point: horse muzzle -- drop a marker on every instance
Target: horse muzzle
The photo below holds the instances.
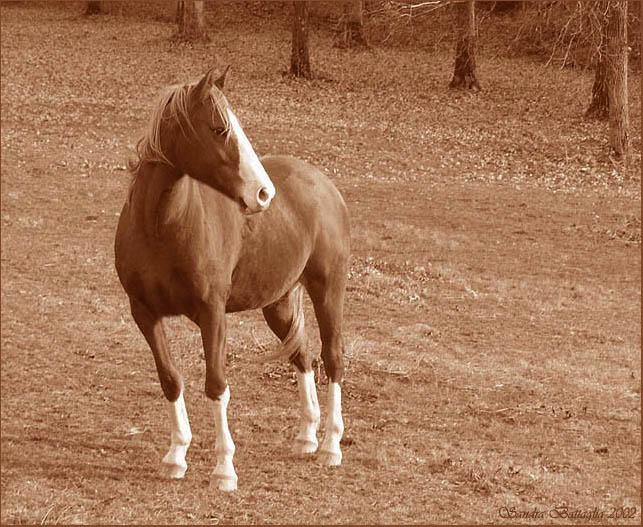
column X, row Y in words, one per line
column 260, row 201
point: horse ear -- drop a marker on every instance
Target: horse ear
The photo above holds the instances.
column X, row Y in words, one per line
column 221, row 80
column 205, row 85
column 202, row 89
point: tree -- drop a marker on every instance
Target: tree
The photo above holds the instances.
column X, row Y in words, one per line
column 597, row 15
column 300, row 59
column 464, row 75
column 93, row 8
column 190, row 18
column 609, row 91
column 351, row 25
column 599, row 107
column 180, row 14
column 616, row 73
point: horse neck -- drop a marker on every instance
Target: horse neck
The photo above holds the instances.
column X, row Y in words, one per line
column 150, row 181
column 159, row 193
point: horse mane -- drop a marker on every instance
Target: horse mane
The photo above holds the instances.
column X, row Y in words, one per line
column 172, row 109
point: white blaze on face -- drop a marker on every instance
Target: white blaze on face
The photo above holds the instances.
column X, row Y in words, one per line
column 250, row 167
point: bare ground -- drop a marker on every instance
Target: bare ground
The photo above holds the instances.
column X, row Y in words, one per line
column 493, row 312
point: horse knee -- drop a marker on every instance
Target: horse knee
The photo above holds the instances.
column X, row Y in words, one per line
column 214, row 387
column 302, row 361
column 334, row 370
column 333, row 361
column 172, row 385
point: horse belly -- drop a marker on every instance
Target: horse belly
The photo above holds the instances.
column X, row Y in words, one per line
column 263, row 281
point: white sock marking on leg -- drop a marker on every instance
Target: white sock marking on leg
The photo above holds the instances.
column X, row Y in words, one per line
column 224, row 446
column 180, row 437
column 334, row 425
column 306, row 441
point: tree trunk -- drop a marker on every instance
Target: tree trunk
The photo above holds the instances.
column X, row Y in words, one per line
column 351, row 27
column 616, row 58
column 599, row 107
column 300, row 59
column 190, row 17
column 93, row 8
column 180, row 14
column 464, row 75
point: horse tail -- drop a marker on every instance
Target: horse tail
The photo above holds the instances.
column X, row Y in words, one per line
column 295, row 340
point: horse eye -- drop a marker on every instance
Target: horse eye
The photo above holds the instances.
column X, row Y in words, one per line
column 219, row 130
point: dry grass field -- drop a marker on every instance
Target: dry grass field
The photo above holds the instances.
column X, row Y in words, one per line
column 493, row 310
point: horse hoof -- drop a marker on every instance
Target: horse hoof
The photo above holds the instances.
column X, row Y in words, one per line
column 303, row 447
column 331, row 459
column 173, row 471
column 227, row 484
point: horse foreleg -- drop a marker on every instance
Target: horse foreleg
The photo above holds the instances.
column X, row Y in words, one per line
column 174, row 464
column 224, row 446
column 216, row 389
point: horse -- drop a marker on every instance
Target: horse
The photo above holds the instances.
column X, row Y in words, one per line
column 209, row 228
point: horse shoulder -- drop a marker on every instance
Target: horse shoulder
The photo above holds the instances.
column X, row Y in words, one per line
column 308, row 188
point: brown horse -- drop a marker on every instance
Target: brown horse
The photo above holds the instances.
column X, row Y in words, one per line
column 210, row 229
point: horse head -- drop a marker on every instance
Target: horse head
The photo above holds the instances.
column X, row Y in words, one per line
column 210, row 145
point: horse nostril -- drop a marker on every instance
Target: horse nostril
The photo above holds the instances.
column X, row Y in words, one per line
column 263, row 196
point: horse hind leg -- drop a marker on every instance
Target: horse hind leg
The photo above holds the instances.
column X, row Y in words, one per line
column 326, row 291
column 286, row 319
column 173, row 464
